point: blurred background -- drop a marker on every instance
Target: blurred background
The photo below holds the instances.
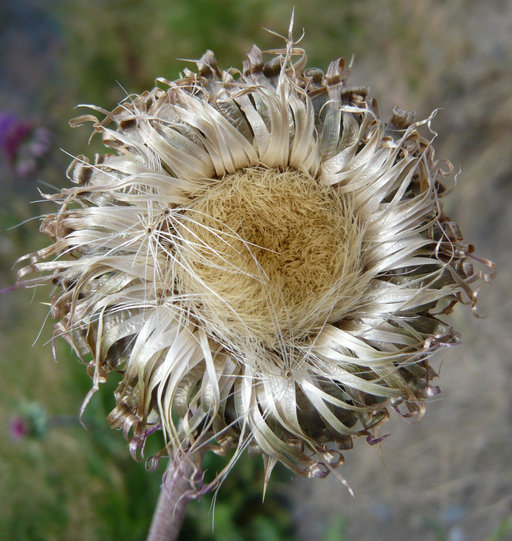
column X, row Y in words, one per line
column 448, row 477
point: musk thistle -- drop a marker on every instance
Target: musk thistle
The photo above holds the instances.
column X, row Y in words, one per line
column 262, row 258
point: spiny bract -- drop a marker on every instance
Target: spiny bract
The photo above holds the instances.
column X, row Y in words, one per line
column 262, row 258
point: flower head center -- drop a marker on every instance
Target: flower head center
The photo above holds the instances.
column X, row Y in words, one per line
column 267, row 255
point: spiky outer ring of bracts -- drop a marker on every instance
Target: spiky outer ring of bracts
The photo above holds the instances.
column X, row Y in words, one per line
column 114, row 244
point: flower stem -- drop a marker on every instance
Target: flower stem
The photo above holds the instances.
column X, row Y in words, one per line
column 170, row 511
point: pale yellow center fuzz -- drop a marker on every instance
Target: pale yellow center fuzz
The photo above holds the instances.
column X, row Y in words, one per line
column 269, row 256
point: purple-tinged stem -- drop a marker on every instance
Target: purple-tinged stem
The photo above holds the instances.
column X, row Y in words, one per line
column 172, row 502
column 169, row 513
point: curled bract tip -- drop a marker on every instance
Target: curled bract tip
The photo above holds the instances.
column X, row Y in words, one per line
column 265, row 261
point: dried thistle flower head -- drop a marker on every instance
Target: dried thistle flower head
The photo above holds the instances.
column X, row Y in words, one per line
column 262, row 258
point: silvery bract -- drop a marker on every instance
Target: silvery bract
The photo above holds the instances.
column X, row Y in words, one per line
column 263, row 260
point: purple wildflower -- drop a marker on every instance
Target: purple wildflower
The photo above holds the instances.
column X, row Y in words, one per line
column 23, row 143
column 18, row 428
